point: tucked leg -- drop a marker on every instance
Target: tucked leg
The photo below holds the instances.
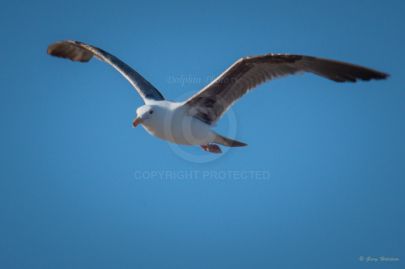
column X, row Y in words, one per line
column 211, row 148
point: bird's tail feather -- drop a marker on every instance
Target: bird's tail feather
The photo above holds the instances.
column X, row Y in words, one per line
column 219, row 139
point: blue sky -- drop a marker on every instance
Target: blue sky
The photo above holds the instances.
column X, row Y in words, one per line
column 80, row 188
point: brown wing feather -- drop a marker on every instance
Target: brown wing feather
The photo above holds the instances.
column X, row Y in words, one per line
column 212, row 101
column 81, row 52
column 69, row 50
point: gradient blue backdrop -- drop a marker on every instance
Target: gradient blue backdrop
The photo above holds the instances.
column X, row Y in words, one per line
column 69, row 194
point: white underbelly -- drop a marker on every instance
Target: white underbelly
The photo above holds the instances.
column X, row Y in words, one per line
column 181, row 129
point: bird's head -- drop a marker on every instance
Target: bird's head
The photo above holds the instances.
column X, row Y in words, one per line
column 143, row 113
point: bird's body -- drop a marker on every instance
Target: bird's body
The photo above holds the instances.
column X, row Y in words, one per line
column 191, row 122
column 167, row 116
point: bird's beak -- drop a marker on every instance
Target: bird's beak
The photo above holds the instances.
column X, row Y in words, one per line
column 137, row 121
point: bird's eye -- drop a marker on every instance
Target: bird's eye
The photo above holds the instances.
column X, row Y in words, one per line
column 151, row 112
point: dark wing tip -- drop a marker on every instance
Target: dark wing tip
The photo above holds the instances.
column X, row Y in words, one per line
column 369, row 74
column 381, row 75
column 71, row 50
column 359, row 76
column 341, row 71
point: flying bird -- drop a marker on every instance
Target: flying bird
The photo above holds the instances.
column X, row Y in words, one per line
column 190, row 122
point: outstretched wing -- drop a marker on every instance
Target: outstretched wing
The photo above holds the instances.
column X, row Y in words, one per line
column 81, row 52
column 212, row 101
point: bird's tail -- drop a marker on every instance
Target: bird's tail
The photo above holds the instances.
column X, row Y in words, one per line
column 219, row 139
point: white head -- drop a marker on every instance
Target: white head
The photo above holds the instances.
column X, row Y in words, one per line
column 143, row 114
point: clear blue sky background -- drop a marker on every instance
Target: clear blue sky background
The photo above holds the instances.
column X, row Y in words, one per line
column 70, row 196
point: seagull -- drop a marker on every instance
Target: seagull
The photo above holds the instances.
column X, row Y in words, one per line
column 191, row 122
